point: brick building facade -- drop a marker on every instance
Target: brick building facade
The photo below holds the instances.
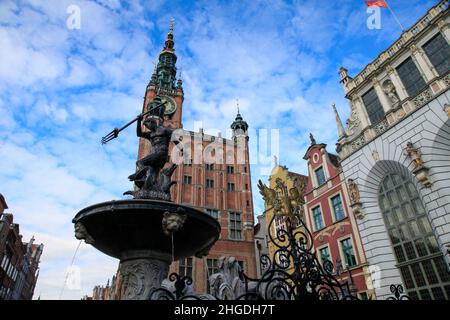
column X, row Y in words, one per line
column 19, row 261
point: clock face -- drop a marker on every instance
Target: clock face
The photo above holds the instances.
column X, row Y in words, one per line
column 170, row 105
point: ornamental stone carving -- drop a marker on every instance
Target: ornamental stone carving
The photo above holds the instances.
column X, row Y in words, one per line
column 353, row 123
column 355, row 199
column 414, row 155
column 172, row 222
column 227, row 284
column 381, row 127
column 358, row 142
column 375, row 155
column 81, row 233
column 447, row 109
column 420, row 171
column 422, row 98
column 353, row 191
column 447, row 80
column 391, row 92
column 141, row 276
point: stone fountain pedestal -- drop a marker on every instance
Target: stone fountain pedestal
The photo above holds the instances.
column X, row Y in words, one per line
column 133, row 231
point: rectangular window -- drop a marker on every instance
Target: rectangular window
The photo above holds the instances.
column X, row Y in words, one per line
column 235, row 226
column 209, row 183
column 317, row 217
column 320, row 175
column 187, row 180
column 349, row 254
column 230, row 186
column 213, row 213
column 338, row 208
column 373, row 106
column 324, row 255
column 438, row 51
column 185, row 267
column 411, row 78
column 230, row 169
column 188, row 162
column 209, row 166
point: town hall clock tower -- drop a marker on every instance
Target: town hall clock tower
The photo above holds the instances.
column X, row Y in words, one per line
column 221, row 189
column 164, row 87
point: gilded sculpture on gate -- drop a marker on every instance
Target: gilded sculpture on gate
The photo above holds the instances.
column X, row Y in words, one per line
column 284, row 202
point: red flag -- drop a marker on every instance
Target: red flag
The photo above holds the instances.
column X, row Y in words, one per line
column 376, row 3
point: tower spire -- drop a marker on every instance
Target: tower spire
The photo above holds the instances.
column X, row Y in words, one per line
column 313, row 140
column 340, row 127
column 166, row 70
column 239, row 125
column 169, row 44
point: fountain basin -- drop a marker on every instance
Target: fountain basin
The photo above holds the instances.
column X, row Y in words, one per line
column 118, row 228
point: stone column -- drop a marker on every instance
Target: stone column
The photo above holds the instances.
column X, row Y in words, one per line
column 383, row 99
column 426, row 69
column 361, row 112
column 444, row 28
column 142, row 271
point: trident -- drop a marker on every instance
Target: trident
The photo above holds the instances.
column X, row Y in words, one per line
column 115, row 132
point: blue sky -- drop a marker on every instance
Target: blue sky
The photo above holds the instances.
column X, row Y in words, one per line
column 62, row 89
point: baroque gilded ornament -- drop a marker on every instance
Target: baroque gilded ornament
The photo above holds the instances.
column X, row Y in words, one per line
column 420, row 170
column 284, row 202
column 375, row 155
column 355, row 199
column 447, row 109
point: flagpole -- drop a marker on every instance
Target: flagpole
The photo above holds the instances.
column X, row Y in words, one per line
column 395, row 17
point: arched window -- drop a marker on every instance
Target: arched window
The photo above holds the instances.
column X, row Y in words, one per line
column 419, row 259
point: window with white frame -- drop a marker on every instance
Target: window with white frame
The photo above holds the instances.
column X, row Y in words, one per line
column 324, row 254
column 349, row 253
column 320, row 176
column 317, row 218
column 338, row 208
